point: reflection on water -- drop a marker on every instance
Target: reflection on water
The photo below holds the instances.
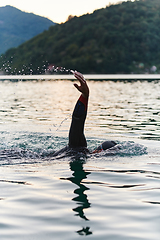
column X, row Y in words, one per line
column 115, row 108
column 81, row 200
column 85, row 231
column 78, row 175
column 116, row 196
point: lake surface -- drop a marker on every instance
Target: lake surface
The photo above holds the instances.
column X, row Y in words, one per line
column 110, row 195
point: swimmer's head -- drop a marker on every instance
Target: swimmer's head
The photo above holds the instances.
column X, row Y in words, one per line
column 105, row 145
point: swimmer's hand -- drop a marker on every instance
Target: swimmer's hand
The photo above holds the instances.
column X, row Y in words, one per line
column 83, row 88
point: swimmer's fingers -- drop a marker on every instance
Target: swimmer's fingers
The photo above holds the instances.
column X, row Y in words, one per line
column 83, row 88
column 80, row 77
column 76, row 86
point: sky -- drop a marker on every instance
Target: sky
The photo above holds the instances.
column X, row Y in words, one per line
column 58, row 10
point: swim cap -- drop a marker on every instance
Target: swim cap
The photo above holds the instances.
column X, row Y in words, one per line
column 106, row 145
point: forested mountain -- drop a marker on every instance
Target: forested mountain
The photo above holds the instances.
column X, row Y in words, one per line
column 121, row 38
column 17, row 27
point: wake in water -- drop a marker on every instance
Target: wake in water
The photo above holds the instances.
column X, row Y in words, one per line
column 126, row 148
column 24, row 147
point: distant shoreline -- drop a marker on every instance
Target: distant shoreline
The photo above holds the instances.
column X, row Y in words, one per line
column 87, row 76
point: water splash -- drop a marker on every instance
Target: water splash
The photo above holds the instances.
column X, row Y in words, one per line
column 65, row 119
column 57, row 70
column 127, row 148
column 32, row 147
column 26, row 69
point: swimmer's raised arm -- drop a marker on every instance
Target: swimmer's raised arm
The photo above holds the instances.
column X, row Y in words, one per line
column 83, row 88
column 76, row 133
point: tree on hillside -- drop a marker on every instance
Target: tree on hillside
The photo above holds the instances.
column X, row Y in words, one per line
column 121, row 38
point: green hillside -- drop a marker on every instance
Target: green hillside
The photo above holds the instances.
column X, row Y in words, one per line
column 17, row 27
column 121, row 38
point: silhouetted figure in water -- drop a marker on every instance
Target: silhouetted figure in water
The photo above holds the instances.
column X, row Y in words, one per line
column 81, row 199
column 77, row 140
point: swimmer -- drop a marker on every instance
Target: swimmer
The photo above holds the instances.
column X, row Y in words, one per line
column 77, row 140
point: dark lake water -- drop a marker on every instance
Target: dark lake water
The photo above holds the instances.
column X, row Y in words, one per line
column 111, row 195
